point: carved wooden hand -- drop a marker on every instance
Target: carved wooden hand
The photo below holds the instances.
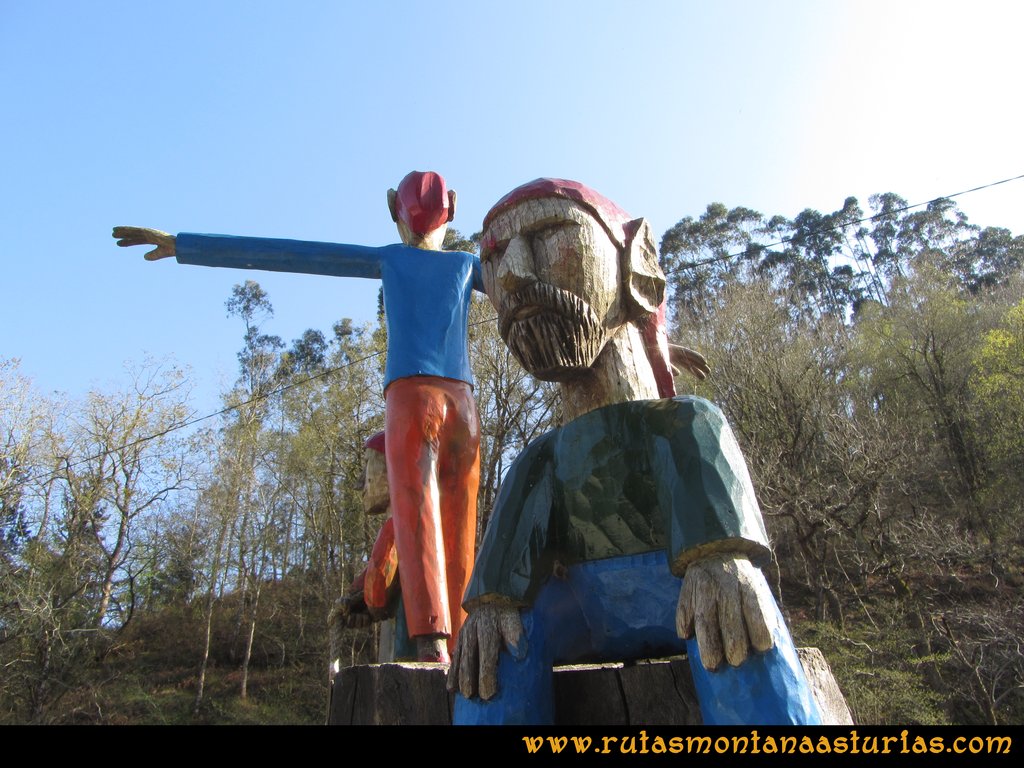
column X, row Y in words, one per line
column 686, row 359
column 726, row 601
column 474, row 668
column 351, row 611
column 163, row 241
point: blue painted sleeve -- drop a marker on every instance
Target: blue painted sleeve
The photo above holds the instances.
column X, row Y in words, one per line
column 278, row 255
column 478, row 280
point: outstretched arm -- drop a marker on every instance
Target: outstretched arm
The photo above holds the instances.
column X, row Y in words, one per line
column 164, row 242
column 278, row 255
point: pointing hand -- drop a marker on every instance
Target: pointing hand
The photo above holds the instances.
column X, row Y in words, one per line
column 163, row 241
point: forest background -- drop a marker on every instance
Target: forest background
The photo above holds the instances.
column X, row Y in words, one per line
column 871, row 368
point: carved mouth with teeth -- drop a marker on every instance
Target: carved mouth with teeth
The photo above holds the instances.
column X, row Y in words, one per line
column 534, row 300
column 553, row 333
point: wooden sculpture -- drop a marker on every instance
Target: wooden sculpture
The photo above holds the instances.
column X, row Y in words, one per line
column 431, row 417
column 599, row 519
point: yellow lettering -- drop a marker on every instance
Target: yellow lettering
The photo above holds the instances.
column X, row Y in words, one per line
column 703, row 745
column 582, row 743
column 533, row 743
column 1000, row 741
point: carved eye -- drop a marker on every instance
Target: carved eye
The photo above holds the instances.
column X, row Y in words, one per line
column 547, row 238
column 492, row 250
column 551, row 229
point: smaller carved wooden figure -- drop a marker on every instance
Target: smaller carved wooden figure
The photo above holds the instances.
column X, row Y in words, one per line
column 431, row 417
column 375, row 594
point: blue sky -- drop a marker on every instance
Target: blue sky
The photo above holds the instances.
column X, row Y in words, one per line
column 292, row 119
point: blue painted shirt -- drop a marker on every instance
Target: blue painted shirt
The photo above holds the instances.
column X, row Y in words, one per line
column 426, row 293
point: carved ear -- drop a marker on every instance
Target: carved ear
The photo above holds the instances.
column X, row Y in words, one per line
column 644, row 280
column 451, row 204
column 393, row 204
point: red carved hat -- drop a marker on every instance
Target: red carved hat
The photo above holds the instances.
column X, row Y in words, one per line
column 375, row 442
column 423, row 201
column 613, row 218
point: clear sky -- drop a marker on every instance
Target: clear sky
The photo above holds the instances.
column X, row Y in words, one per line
column 292, row 119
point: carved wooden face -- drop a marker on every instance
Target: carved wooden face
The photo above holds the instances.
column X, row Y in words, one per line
column 552, row 272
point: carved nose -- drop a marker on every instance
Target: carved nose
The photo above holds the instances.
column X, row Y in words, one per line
column 516, row 269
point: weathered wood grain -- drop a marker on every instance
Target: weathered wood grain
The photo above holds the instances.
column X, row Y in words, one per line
column 657, row 692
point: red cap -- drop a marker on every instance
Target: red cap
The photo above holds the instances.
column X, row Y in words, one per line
column 375, row 442
column 613, row 218
column 423, row 201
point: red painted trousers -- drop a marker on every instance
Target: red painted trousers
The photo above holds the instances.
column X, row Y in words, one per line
column 432, row 445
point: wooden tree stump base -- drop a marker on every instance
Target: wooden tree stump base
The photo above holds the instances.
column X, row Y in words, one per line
column 656, row 692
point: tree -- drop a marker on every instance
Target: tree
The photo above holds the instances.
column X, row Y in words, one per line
column 20, row 417
column 702, row 255
column 998, row 414
column 919, row 350
column 869, row 370
column 97, row 473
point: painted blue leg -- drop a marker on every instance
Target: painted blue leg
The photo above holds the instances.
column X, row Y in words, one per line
column 767, row 689
column 630, row 608
column 526, row 686
column 624, row 608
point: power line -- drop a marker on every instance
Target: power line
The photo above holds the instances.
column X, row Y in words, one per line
column 784, row 241
column 228, row 408
column 335, row 369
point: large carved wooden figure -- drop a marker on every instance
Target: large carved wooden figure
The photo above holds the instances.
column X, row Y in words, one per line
column 597, row 520
column 431, row 420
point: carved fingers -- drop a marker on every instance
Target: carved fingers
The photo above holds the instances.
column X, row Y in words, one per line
column 351, row 611
column 462, row 671
column 686, row 359
column 697, row 613
column 164, row 242
column 725, row 601
column 474, row 668
column 759, row 611
column 379, row 614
